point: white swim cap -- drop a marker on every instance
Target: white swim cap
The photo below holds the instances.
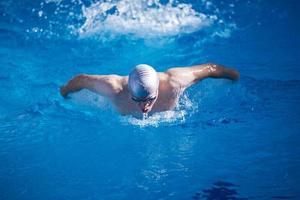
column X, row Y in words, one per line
column 143, row 81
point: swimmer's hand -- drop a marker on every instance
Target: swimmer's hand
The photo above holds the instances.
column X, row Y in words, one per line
column 75, row 84
column 230, row 73
column 63, row 92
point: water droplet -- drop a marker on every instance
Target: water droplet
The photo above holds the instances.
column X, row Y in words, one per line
column 145, row 116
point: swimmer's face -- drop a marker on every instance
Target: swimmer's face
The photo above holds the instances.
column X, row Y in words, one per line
column 145, row 104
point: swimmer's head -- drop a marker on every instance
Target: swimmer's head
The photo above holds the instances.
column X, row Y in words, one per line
column 143, row 85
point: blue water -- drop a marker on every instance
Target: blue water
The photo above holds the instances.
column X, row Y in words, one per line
column 224, row 141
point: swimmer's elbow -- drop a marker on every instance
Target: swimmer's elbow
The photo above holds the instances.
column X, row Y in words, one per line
column 219, row 71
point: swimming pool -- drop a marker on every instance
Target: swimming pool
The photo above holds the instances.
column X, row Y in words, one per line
column 224, row 140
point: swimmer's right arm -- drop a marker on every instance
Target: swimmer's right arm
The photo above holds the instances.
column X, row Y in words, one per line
column 102, row 84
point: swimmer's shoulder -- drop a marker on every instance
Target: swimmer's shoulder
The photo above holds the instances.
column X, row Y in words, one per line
column 116, row 82
column 168, row 79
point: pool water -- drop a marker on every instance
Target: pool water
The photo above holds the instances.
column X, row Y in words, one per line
column 224, row 140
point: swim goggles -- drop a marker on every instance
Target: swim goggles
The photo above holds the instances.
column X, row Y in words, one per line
column 146, row 100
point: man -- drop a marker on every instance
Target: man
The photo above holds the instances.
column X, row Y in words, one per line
column 146, row 90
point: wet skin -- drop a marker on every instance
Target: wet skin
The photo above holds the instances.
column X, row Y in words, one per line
column 171, row 85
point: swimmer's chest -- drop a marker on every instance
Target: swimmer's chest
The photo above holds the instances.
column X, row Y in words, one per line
column 167, row 100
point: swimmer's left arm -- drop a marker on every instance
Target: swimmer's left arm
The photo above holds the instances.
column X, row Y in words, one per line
column 186, row 76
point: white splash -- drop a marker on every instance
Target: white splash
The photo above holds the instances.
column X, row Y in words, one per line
column 156, row 119
column 184, row 108
column 142, row 18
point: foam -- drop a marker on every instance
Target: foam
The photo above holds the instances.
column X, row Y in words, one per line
column 147, row 18
column 156, row 119
column 184, row 108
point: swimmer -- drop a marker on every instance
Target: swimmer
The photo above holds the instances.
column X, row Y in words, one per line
column 145, row 90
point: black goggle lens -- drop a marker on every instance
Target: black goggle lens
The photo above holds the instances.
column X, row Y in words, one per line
column 150, row 99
